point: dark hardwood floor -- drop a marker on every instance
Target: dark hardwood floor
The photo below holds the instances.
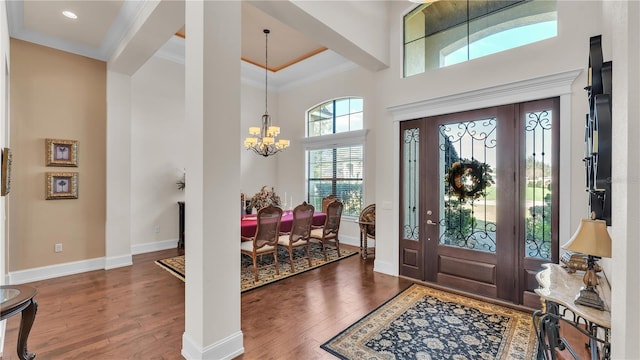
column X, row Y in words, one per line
column 137, row 312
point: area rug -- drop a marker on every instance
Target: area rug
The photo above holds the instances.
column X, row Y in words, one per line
column 425, row 323
column 267, row 275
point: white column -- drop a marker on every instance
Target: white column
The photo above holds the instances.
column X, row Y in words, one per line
column 212, row 243
column 622, row 19
column 118, row 222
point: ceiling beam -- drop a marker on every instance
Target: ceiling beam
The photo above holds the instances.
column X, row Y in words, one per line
column 157, row 22
column 356, row 30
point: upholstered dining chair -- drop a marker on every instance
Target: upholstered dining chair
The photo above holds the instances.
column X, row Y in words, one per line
column 300, row 232
column 367, row 222
column 328, row 232
column 265, row 241
column 326, row 201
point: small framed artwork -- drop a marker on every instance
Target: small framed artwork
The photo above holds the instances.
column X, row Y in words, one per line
column 62, row 152
column 6, row 172
column 62, row 185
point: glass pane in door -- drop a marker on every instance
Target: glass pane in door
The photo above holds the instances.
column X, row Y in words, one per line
column 467, row 159
column 411, row 184
column 538, row 165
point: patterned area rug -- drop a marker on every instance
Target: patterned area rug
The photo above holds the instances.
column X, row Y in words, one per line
column 267, row 275
column 425, row 323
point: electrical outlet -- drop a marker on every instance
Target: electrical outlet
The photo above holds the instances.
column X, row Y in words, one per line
column 157, row 229
column 58, row 248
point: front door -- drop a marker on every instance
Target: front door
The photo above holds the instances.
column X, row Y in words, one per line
column 464, row 205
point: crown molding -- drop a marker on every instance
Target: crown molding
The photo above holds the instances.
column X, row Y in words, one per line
column 308, row 70
column 126, row 17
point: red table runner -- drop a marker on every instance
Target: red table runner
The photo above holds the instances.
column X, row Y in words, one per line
column 249, row 223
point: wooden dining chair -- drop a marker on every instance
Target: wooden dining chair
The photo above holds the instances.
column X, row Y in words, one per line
column 328, row 232
column 367, row 222
column 300, row 232
column 265, row 241
column 326, row 201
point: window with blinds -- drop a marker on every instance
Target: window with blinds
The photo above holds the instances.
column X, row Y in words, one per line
column 336, row 168
column 337, row 171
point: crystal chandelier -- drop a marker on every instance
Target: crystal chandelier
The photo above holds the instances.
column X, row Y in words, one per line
column 262, row 140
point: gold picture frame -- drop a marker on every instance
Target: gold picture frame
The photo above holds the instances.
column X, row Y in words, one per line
column 6, row 172
column 62, row 152
column 62, row 185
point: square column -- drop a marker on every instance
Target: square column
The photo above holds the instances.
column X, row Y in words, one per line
column 212, row 143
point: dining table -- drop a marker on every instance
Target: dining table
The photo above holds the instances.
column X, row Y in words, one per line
column 249, row 222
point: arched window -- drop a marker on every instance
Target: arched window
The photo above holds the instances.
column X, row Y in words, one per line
column 447, row 32
column 335, row 153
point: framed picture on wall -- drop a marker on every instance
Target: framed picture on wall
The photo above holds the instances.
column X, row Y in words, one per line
column 6, row 172
column 62, row 185
column 62, row 152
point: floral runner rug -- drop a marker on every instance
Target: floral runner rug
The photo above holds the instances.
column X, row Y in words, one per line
column 425, row 323
column 267, row 275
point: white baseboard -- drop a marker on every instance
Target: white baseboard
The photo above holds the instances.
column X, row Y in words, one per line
column 118, row 261
column 76, row 267
column 349, row 240
column 385, row 267
column 153, row 246
column 225, row 349
column 54, row 271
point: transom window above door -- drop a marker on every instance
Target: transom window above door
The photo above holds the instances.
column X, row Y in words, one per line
column 447, row 32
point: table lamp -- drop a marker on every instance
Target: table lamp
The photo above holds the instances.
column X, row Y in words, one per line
column 591, row 239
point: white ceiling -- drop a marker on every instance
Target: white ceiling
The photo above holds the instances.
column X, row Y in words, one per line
column 102, row 24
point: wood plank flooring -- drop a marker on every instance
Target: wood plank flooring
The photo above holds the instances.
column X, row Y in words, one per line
column 137, row 312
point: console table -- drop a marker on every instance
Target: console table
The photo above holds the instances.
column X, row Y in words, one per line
column 180, row 224
column 558, row 289
column 18, row 299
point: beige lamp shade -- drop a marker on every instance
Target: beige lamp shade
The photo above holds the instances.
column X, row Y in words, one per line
column 282, row 144
column 250, row 141
column 591, row 238
column 273, row 131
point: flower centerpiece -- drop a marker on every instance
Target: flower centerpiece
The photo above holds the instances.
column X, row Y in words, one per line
column 264, row 198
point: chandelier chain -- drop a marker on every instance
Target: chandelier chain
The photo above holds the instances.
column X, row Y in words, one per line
column 266, row 69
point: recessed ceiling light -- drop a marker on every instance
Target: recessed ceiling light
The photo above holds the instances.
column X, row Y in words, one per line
column 70, row 14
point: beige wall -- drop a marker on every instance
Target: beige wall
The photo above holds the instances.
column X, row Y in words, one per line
column 58, row 95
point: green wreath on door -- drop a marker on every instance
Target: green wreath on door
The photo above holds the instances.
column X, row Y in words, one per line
column 468, row 179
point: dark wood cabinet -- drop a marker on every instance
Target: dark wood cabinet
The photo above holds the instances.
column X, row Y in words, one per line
column 181, row 225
